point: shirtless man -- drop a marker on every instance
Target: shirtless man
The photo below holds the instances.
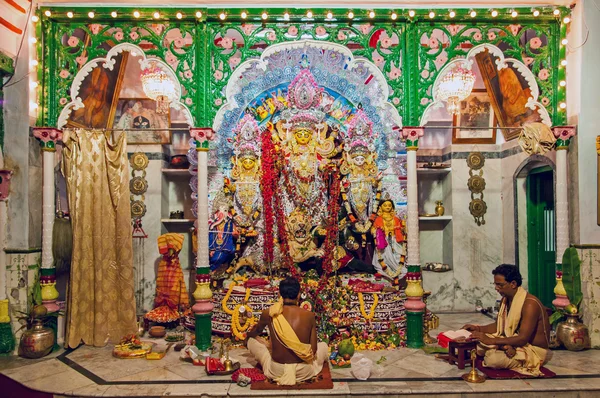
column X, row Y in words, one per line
column 519, row 339
column 296, row 356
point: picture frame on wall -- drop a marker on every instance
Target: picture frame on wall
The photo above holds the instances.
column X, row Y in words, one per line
column 509, row 93
column 476, row 121
column 99, row 92
column 138, row 114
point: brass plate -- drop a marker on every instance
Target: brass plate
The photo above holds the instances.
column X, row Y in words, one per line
column 475, row 160
column 138, row 185
column 139, row 161
column 476, row 184
column 138, row 209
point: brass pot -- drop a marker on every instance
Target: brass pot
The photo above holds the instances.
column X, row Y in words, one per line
column 439, row 209
column 573, row 334
column 36, row 342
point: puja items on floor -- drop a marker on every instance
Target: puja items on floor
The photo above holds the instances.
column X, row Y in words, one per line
column 132, row 347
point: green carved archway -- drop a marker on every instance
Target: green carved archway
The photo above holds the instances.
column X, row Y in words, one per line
column 205, row 46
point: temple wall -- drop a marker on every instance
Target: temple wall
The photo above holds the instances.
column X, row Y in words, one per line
column 22, row 155
column 590, row 286
column 474, row 251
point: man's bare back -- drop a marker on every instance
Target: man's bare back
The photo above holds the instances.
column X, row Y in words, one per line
column 304, row 324
column 533, row 312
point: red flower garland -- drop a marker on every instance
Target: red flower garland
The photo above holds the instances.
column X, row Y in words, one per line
column 268, row 183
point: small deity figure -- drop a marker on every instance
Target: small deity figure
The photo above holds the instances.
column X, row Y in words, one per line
column 361, row 184
column 171, row 293
column 389, row 238
column 221, row 231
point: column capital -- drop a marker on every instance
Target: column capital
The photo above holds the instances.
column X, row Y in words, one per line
column 5, row 176
column 412, row 134
column 563, row 136
column 203, row 136
column 48, row 137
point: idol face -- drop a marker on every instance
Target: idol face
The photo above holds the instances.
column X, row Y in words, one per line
column 248, row 163
column 387, row 206
column 303, row 137
column 359, row 160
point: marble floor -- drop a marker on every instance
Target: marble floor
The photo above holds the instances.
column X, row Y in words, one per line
column 88, row 371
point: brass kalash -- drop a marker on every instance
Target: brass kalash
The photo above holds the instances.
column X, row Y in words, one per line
column 473, row 376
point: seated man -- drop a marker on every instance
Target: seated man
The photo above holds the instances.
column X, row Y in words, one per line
column 295, row 355
column 519, row 339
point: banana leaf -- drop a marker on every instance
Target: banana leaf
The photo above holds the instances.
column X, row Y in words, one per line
column 571, row 268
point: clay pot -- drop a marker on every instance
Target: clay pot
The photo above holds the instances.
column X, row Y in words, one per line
column 157, row 331
column 573, row 334
column 36, row 342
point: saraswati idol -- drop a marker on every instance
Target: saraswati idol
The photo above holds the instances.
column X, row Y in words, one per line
column 361, row 184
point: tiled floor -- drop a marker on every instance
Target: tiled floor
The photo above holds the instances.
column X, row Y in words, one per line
column 90, row 371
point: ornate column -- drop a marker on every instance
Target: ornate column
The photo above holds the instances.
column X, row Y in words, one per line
column 48, row 137
column 203, row 295
column 414, row 305
column 563, row 136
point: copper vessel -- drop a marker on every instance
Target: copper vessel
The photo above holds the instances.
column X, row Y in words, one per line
column 36, row 342
column 573, row 334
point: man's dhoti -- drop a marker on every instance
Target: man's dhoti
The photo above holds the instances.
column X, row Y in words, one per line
column 289, row 373
column 527, row 360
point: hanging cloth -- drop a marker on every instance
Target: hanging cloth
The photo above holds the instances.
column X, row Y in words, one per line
column 101, row 302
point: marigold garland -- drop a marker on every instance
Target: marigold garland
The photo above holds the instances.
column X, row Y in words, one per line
column 226, row 309
column 237, row 329
column 368, row 317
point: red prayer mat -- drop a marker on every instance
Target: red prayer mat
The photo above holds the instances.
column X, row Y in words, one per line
column 510, row 374
column 320, row 382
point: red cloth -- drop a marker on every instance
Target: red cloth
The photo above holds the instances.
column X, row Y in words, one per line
column 365, row 286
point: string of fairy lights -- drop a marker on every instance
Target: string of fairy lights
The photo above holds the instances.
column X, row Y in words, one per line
column 372, row 14
column 410, row 15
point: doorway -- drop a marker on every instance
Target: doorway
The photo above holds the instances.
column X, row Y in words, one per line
column 541, row 238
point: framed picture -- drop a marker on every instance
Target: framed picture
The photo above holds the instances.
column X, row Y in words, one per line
column 99, row 92
column 509, row 93
column 475, row 123
column 139, row 114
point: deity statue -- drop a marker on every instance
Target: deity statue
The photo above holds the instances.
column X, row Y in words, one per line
column 361, row 184
column 389, row 242
column 247, row 196
column 301, row 135
column 221, row 233
column 305, row 145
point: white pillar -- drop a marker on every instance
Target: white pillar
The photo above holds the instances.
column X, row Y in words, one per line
column 202, row 209
column 562, row 204
column 563, row 136
column 48, row 209
column 48, row 137
column 412, row 222
column 203, row 295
